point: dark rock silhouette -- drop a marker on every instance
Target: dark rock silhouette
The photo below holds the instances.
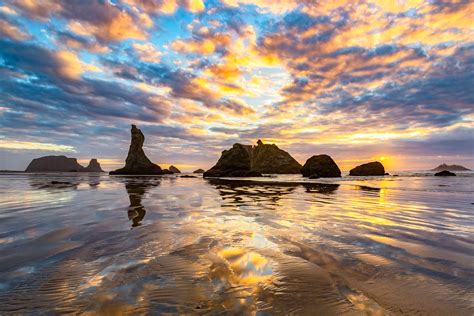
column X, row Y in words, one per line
column 445, row 173
column 321, row 166
column 173, row 169
column 252, row 161
column 94, row 166
column 268, row 158
column 167, row 171
column 54, row 164
column 199, row 171
column 137, row 162
column 450, row 168
column 233, row 162
column 368, row 169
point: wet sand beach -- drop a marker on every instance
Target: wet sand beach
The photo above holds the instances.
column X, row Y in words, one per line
column 90, row 244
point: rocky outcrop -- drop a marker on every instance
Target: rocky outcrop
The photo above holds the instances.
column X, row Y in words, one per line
column 321, row 166
column 137, row 162
column 173, row 169
column 252, row 161
column 199, row 171
column 268, row 158
column 94, row 166
column 167, row 171
column 445, row 173
column 450, row 168
column 233, row 162
column 54, row 164
column 368, row 169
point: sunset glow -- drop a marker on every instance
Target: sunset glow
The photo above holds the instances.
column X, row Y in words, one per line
column 358, row 80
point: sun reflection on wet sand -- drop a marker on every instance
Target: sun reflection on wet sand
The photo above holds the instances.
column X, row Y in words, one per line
column 214, row 246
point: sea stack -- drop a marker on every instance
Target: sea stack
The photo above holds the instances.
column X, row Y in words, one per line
column 94, row 166
column 173, row 169
column 137, row 162
column 445, row 173
column 234, row 162
column 54, row 164
column 253, row 161
column 198, row 171
column 268, row 158
column 368, row 169
column 320, row 166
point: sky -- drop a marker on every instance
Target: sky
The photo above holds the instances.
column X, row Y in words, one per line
column 358, row 80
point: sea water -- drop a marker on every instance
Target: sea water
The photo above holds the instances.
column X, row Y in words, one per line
column 93, row 243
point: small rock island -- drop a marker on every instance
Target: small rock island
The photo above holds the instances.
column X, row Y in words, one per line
column 320, row 166
column 173, row 169
column 368, row 169
column 445, row 173
column 137, row 163
column 94, row 166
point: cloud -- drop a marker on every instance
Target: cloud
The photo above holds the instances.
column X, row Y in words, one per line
column 53, row 92
column 19, row 145
column 120, row 27
column 147, row 52
column 12, row 31
column 68, row 40
column 167, row 6
column 182, row 85
column 32, row 59
column 273, row 6
column 204, row 47
column 101, row 19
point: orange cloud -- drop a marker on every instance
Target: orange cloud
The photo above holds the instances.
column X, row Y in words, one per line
column 70, row 66
column 38, row 9
column 194, row 5
column 167, row 6
column 9, row 30
column 147, row 52
column 273, row 6
column 121, row 27
column 8, row 10
column 204, row 47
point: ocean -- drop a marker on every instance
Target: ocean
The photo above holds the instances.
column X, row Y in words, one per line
column 94, row 243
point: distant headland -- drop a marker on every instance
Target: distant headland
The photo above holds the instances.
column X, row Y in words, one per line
column 450, row 168
column 61, row 164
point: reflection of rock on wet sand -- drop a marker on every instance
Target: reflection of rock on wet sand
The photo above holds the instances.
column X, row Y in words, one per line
column 325, row 188
column 243, row 192
column 54, row 183
column 136, row 188
column 248, row 192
